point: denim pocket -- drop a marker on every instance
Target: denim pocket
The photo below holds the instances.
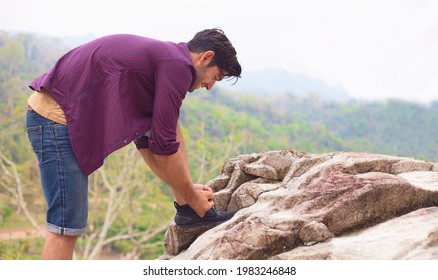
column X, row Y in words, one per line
column 35, row 134
column 62, row 140
column 60, row 131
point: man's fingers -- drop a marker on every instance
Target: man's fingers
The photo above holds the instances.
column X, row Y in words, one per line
column 210, row 195
column 202, row 187
column 205, row 202
column 211, row 201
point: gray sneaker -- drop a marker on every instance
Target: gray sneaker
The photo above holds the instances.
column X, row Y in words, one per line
column 186, row 217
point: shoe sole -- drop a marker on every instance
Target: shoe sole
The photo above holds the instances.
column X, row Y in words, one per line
column 201, row 224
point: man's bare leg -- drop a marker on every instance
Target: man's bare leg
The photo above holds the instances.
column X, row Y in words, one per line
column 59, row 247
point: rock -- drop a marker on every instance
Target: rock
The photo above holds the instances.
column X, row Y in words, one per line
column 328, row 206
column 432, row 239
column 237, row 178
column 422, row 179
column 248, row 193
column 271, row 165
column 177, row 239
column 410, row 165
column 219, row 183
column 314, row 232
column 411, row 236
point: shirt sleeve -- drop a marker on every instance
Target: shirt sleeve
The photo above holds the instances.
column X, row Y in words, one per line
column 172, row 81
column 142, row 142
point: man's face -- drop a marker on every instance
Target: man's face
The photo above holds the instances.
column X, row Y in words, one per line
column 207, row 77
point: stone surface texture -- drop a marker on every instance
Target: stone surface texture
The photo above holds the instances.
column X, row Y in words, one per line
column 295, row 205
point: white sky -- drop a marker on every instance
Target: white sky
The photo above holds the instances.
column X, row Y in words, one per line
column 373, row 49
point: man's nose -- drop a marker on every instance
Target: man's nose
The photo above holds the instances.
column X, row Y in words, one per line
column 210, row 85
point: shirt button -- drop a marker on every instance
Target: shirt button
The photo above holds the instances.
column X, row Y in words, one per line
column 124, row 141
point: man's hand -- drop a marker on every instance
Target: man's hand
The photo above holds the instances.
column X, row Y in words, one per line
column 202, row 187
column 202, row 200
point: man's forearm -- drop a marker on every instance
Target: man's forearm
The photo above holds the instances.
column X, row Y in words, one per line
column 182, row 149
column 180, row 156
column 172, row 170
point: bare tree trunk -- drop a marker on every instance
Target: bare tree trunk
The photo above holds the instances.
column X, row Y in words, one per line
column 11, row 182
column 119, row 197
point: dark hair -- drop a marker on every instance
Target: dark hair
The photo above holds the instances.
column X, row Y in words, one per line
column 224, row 52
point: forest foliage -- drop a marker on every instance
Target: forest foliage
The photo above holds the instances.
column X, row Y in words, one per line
column 129, row 207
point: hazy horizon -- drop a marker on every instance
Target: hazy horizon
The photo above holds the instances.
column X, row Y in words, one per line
column 372, row 49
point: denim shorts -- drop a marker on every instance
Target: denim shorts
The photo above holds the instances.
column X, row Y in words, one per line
column 64, row 184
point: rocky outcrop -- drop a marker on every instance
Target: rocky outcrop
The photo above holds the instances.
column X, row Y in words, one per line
column 294, row 205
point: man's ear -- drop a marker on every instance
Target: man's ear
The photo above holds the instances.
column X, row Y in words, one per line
column 207, row 56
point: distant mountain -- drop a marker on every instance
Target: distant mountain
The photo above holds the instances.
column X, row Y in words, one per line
column 270, row 81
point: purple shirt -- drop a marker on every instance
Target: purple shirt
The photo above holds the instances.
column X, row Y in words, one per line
column 115, row 89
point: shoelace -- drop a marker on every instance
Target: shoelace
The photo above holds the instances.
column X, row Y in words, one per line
column 215, row 212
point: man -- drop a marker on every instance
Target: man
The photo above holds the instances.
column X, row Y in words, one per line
column 107, row 93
